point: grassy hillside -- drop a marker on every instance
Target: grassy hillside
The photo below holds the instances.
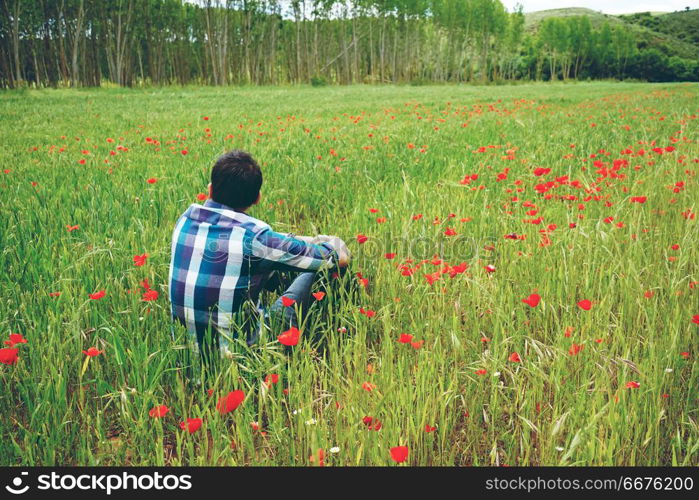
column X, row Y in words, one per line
column 532, row 20
column 683, row 25
column 675, row 33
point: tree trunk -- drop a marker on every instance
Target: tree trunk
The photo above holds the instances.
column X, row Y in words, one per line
column 75, row 73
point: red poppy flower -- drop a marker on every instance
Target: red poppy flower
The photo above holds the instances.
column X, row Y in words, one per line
column 429, row 428
column 15, row 338
column 92, row 352
column 152, row 180
column 287, row 302
column 633, row 385
column 319, row 295
column 320, row 458
column 585, row 305
column 362, row 280
column 202, row 196
column 361, row 238
column 489, row 268
column 390, row 256
column 72, row 228
column 8, row 355
column 192, row 425
column 139, row 260
column 158, row 411
column 230, row 402
column 399, row 454
column 695, row 319
column 431, row 278
column 150, row 295
column 575, row 349
column 98, row 295
column 367, row 312
column 418, row 344
column 514, row 357
column 481, row 372
column 272, row 378
column 373, row 424
column 685, row 354
column 532, row 300
column 368, row 386
column 449, row 232
column 405, row 338
column 290, row 337
column 406, row 271
column 54, row 294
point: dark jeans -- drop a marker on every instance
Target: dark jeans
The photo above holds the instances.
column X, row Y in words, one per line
column 300, row 292
column 278, row 317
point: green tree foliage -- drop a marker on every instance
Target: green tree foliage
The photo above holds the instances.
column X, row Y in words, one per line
column 222, row 42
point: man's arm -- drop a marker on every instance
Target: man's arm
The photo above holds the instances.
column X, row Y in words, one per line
column 343, row 253
column 306, row 239
column 284, row 252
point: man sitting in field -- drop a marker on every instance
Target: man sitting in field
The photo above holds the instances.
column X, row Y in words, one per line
column 222, row 258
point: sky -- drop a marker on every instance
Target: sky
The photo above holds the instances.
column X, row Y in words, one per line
column 606, row 6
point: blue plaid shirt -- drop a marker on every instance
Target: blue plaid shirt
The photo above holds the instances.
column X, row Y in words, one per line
column 221, row 259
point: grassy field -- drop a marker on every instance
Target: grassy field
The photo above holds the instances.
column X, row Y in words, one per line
column 455, row 182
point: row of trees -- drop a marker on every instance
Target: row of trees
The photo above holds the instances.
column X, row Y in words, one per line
column 219, row 42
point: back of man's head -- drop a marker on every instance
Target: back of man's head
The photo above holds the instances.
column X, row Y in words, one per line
column 236, row 180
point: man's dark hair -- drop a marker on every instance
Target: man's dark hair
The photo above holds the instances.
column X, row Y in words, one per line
column 236, row 179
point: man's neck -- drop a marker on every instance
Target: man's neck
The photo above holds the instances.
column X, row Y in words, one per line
column 239, row 210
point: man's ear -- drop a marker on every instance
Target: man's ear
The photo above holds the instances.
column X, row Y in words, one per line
column 259, row 197
column 211, row 190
